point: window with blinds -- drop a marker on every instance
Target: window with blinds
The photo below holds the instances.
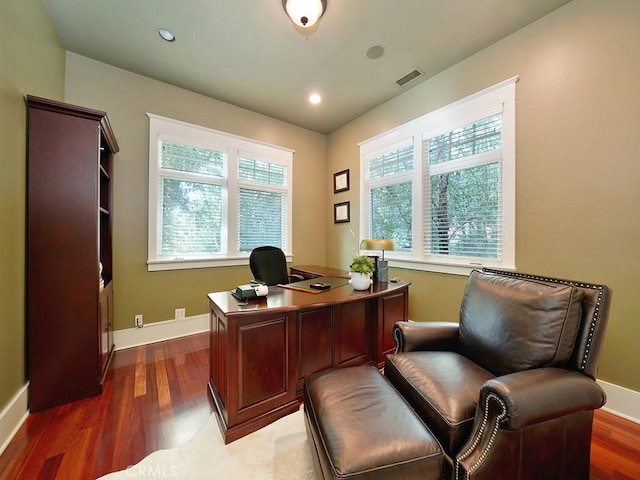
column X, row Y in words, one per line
column 443, row 186
column 214, row 197
column 463, row 207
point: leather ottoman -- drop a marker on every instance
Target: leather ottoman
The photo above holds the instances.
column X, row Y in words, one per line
column 359, row 427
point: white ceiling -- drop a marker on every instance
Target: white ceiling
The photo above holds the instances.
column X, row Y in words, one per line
column 248, row 53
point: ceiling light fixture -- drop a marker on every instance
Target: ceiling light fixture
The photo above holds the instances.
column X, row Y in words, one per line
column 166, row 34
column 304, row 13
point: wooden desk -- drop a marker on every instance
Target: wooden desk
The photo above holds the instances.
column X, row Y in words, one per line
column 261, row 352
column 315, row 271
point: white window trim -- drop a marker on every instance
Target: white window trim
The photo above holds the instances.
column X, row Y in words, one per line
column 163, row 128
column 497, row 98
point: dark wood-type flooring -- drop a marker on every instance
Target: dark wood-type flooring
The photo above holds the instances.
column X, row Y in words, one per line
column 156, row 396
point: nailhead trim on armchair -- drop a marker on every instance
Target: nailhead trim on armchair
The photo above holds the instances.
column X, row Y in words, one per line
column 480, row 434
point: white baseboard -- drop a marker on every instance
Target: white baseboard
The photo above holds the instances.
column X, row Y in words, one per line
column 13, row 416
column 159, row 331
column 621, row 401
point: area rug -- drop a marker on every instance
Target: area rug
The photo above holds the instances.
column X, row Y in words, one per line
column 279, row 451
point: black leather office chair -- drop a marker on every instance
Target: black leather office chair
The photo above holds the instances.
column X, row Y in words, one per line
column 269, row 265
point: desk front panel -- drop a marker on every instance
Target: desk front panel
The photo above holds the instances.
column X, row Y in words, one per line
column 252, row 369
column 352, row 335
column 315, row 342
column 262, row 364
column 335, row 336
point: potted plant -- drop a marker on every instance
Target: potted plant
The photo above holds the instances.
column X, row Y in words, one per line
column 360, row 272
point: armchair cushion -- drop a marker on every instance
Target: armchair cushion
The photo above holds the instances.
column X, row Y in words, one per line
column 548, row 316
column 442, row 387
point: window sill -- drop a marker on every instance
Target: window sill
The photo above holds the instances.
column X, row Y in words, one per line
column 190, row 263
column 448, row 268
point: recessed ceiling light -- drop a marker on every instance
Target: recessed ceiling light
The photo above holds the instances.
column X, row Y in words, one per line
column 166, row 34
column 315, row 98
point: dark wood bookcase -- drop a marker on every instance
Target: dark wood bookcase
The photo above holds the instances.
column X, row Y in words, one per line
column 69, row 251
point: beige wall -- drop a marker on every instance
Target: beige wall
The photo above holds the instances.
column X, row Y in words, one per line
column 578, row 168
column 126, row 97
column 31, row 61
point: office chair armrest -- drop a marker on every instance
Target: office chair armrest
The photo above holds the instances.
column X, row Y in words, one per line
column 294, row 277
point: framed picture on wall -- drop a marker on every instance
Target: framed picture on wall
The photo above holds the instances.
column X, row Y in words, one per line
column 341, row 181
column 341, row 212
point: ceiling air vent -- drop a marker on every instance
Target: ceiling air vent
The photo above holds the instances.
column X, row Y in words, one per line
column 409, row 77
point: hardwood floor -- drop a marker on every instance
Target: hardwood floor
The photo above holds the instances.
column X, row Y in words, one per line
column 615, row 448
column 155, row 396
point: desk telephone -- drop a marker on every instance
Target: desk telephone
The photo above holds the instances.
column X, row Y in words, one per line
column 250, row 290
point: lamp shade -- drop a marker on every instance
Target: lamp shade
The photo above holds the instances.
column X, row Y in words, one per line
column 304, row 13
column 377, row 244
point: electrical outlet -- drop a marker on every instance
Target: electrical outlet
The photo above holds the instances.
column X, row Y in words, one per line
column 180, row 312
column 138, row 322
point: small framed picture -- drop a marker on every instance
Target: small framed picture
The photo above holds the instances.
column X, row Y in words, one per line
column 341, row 181
column 341, row 212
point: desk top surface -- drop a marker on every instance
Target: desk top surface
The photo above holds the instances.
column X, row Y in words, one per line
column 320, row 270
column 287, row 299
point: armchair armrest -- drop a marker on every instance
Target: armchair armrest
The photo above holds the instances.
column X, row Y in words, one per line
column 415, row 336
column 534, row 396
column 511, row 403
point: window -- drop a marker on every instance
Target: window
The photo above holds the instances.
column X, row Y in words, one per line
column 214, row 197
column 443, row 186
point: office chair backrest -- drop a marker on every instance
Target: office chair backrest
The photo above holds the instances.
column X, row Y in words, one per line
column 269, row 265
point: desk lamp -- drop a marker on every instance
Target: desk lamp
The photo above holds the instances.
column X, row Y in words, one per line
column 382, row 266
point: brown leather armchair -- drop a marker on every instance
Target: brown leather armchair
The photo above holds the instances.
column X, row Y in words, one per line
column 509, row 391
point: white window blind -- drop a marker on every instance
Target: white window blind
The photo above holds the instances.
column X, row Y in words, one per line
column 262, row 215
